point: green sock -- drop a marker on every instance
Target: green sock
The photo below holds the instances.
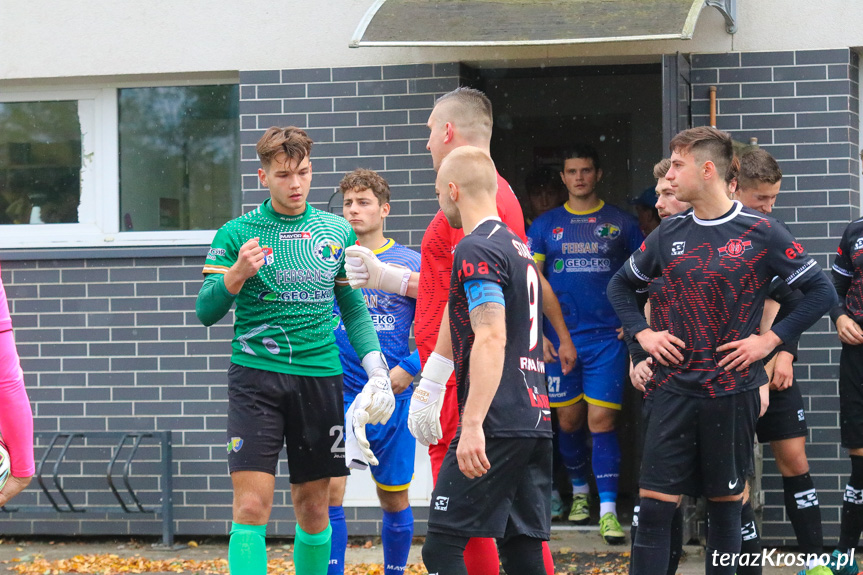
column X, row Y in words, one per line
column 247, row 550
column 312, row 552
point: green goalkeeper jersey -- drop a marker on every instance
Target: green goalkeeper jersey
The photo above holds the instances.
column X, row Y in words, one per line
column 284, row 314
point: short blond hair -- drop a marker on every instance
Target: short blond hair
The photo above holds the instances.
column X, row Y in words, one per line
column 471, row 170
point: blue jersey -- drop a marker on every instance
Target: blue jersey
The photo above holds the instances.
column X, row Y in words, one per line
column 392, row 316
column 580, row 251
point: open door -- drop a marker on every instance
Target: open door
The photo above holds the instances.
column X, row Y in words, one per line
column 676, row 98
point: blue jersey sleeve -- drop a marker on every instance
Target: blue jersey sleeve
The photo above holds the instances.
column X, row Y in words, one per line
column 536, row 239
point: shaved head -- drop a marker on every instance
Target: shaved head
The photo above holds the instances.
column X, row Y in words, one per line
column 471, row 170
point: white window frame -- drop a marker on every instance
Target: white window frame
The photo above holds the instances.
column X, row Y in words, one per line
column 99, row 208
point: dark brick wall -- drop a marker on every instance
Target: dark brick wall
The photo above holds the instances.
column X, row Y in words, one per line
column 804, row 109
column 370, row 117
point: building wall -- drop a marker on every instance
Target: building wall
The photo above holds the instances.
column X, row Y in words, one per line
column 44, row 40
column 109, row 340
column 803, row 107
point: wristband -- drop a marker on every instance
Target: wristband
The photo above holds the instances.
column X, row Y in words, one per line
column 438, row 369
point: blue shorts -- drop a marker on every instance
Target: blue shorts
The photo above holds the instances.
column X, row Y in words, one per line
column 597, row 377
column 393, row 445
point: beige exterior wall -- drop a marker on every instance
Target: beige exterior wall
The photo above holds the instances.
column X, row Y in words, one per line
column 87, row 38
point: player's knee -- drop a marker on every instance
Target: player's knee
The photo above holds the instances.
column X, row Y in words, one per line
column 571, row 418
column 444, row 553
column 393, row 501
column 601, row 419
column 521, row 554
column 251, row 509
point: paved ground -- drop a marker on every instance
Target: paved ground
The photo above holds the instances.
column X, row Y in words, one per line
column 577, row 550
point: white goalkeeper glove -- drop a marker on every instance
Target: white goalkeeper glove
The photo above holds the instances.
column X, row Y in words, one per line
column 427, row 400
column 365, row 270
column 378, row 390
column 357, row 448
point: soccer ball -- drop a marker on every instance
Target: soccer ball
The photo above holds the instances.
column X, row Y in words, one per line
column 5, row 466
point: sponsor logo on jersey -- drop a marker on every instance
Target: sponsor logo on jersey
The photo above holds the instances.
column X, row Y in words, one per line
column 290, row 236
column 214, row 253
column 580, row 248
column 795, row 250
column 583, row 220
column 557, row 266
column 269, row 257
column 735, row 248
column 271, row 345
column 304, row 276
column 441, row 503
column 557, row 234
column 298, row 295
column 384, row 322
column 677, row 248
column 530, row 364
column 468, row 269
column 337, row 322
column 522, row 249
column 328, row 251
column 235, row 444
column 606, row 231
column 857, row 245
column 586, row 264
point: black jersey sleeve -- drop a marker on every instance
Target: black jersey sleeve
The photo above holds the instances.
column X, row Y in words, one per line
column 633, row 276
column 790, row 261
column 788, row 299
column 842, row 274
column 478, row 260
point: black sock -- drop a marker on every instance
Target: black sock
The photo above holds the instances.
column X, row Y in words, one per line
column 801, row 504
column 750, row 544
column 852, row 507
column 723, row 537
column 676, row 541
column 650, row 550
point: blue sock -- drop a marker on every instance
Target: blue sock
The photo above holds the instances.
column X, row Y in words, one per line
column 606, row 465
column 573, row 452
column 396, row 536
column 339, row 541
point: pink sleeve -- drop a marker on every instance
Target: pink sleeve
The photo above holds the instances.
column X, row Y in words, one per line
column 16, row 418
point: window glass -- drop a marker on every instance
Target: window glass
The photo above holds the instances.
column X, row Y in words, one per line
column 40, row 162
column 179, row 157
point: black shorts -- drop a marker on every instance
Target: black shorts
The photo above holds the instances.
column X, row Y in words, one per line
column 699, row 446
column 513, row 498
column 268, row 410
column 851, row 396
column 784, row 417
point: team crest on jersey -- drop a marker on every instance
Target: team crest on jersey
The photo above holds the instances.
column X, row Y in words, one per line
column 289, row 236
column 677, row 248
column 557, row 234
column 235, row 444
column 328, row 250
column 858, row 244
column 606, row 231
column 269, row 256
column 735, row 248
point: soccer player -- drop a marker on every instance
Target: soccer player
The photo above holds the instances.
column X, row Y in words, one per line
column 495, row 480
column 460, row 118
column 16, row 418
column 366, row 204
column 283, row 264
column 783, row 425
column 848, row 317
column 578, row 247
column 717, row 262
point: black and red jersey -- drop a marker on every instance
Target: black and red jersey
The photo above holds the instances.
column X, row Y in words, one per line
column 716, row 276
column 492, row 252
column 848, row 273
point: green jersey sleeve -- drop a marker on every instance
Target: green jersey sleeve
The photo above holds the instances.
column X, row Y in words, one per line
column 214, row 300
column 358, row 322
